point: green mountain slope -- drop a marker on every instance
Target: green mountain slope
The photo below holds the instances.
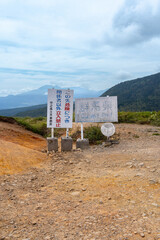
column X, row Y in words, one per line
column 142, row 94
column 16, row 111
column 40, row 112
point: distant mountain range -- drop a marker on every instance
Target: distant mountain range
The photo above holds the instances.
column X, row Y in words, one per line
column 141, row 94
column 39, row 96
column 33, row 111
column 34, row 103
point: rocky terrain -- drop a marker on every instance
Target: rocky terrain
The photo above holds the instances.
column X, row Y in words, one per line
column 103, row 193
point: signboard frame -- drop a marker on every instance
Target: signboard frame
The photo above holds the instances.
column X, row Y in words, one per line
column 101, row 109
column 60, row 108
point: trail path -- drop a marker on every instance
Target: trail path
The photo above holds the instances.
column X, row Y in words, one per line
column 104, row 193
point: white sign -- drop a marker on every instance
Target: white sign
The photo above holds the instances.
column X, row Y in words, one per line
column 102, row 109
column 59, row 108
column 108, row 129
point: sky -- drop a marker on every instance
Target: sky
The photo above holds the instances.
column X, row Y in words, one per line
column 94, row 44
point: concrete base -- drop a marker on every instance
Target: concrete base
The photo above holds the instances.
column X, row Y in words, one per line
column 82, row 143
column 52, row 144
column 66, row 144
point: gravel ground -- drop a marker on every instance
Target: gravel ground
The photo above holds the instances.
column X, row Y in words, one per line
column 103, row 193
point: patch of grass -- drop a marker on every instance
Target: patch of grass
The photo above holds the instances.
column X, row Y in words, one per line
column 135, row 136
column 38, row 125
column 8, row 120
column 76, row 135
column 93, row 133
column 156, row 134
column 152, row 118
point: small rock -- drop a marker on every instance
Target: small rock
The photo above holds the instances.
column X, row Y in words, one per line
column 78, row 149
column 128, row 163
column 157, row 237
column 138, row 175
column 52, row 169
column 47, row 238
column 141, row 164
column 43, row 150
column 34, row 223
column 153, row 181
column 142, row 234
column 75, row 193
column 155, row 205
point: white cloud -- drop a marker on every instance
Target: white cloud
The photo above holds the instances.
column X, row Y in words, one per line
column 135, row 22
column 74, row 43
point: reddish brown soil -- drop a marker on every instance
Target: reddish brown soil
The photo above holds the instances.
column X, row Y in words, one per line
column 104, row 193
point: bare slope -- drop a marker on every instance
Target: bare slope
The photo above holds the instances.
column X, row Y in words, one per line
column 19, row 149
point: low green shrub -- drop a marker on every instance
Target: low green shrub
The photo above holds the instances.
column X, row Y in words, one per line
column 152, row 118
column 93, row 133
column 38, row 125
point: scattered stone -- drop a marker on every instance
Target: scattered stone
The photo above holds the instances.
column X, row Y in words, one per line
column 44, row 151
column 128, row 163
column 34, row 223
column 153, row 181
column 155, row 205
column 47, row 238
column 138, row 175
column 52, row 169
column 142, row 235
column 107, row 144
column 75, row 193
column 141, row 164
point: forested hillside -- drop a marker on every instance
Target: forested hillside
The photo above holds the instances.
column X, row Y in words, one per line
column 142, row 94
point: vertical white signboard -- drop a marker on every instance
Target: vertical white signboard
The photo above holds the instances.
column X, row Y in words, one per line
column 59, row 108
column 102, row 109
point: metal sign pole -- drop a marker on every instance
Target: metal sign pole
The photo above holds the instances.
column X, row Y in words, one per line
column 81, row 131
column 67, row 132
column 52, row 132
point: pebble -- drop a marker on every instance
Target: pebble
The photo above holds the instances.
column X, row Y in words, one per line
column 142, row 234
column 155, row 205
column 75, row 193
column 141, row 164
column 128, row 163
column 153, row 181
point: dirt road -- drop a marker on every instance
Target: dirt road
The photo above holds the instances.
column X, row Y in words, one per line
column 104, row 193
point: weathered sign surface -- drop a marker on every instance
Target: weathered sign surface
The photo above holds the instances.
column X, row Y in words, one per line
column 59, row 108
column 102, row 109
